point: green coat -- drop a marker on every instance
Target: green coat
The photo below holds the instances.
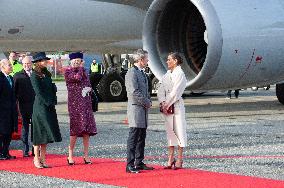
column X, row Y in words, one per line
column 44, row 118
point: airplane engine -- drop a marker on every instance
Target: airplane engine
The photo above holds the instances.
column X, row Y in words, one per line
column 224, row 44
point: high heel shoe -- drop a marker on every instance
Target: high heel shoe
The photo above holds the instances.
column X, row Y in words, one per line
column 37, row 164
column 178, row 164
column 87, row 162
column 43, row 164
column 173, row 164
column 69, row 163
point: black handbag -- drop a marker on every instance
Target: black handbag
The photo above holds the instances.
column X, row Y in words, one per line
column 95, row 101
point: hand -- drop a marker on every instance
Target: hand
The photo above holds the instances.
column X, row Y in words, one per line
column 165, row 108
column 88, row 89
column 84, row 92
column 165, row 112
column 147, row 106
column 77, row 76
column 162, row 108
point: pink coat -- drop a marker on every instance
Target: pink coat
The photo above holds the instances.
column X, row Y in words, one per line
column 82, row 119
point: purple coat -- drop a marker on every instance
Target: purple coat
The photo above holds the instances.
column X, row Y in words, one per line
column 82, row 119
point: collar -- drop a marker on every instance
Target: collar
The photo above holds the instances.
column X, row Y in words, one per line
column 138, row 68
column 30, row 71
column 178, row 68
column 5, row 74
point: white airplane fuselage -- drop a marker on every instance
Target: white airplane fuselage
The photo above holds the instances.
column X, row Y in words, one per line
column 30, row 25
column 243, row 44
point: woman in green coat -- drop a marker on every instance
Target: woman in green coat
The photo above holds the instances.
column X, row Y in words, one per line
column 44, row 118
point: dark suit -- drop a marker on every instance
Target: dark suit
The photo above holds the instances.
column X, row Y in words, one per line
column 8, row 114
column 25, row 96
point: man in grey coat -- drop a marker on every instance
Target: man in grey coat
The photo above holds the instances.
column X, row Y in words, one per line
column 137, row 111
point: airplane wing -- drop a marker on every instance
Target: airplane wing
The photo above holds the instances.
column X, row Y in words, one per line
column 135, row 3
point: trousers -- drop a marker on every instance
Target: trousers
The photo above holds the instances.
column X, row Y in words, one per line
column 135, row 146
column 25, row 132
column 5, row 140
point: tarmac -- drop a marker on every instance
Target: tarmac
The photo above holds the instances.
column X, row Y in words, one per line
column 243, row 136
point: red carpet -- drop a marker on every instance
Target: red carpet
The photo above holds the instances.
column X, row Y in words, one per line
column 111, row 172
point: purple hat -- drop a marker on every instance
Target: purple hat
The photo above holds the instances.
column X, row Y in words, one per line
column 75, row 55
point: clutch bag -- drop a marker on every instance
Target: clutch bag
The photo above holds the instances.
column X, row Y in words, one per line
column 171, row 109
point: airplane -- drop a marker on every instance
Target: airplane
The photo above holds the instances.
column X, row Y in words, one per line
column 225, row 44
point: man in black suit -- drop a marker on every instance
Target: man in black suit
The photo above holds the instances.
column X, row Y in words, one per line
column 8, row 109
column 25, row 96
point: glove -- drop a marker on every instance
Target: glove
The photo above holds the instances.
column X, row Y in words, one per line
column 86, row 91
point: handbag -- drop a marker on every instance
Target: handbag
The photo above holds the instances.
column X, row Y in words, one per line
column 171, row 109
column 95, row 101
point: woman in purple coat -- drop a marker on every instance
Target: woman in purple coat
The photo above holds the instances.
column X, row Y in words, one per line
column 82, row 121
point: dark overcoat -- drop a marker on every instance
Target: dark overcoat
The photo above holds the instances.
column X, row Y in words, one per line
column 44, row 118
column 25, row 94
column 8, row 108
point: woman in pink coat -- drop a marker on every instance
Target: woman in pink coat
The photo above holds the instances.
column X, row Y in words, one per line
column 82, row 121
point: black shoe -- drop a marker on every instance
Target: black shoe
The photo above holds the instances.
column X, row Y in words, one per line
column 132, row 169
column 26, row 154
column 87, row 162
column 3, row 157
column 144, row 167
column 10, row 156
column 70, row 163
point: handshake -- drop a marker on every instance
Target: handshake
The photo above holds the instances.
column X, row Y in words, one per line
column 86, row 91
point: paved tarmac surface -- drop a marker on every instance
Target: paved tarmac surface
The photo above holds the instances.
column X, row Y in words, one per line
column 242, row 136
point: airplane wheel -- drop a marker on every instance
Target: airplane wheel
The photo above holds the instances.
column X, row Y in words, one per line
column 112, row 88
column 280, row 92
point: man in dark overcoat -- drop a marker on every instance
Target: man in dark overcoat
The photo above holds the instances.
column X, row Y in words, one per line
column 8, row 110
column 25, row 96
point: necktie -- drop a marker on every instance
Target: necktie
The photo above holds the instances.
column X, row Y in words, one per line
column 10, row 81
